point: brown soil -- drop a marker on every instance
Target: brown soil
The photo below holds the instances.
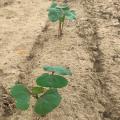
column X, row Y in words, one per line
column 90, row 47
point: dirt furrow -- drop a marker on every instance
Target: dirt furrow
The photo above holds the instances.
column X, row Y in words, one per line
column 69, row 52
column 92, row 30
column 20, row 23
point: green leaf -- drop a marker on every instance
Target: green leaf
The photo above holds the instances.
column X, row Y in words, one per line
column 59, row 12
column 21, row 104
column 70, row 15
column 53, row 14
column 37, row 90
column 21, row 95
column 63, row 7
column 47, row 102
column 58, row 69
column 52, row 81
column 54, row 4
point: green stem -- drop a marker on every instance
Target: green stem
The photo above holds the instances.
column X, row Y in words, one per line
column 62, row 26
column 63, row 20
column 36, row 96
column 53, row 72
column 60, row 29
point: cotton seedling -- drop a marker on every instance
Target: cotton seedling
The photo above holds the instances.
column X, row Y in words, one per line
column 60, row 12
column 45, row 92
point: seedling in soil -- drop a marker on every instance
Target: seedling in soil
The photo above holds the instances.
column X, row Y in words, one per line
column 60, row 12
column 45, row 93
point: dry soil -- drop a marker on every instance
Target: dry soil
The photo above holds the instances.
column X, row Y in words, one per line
column 90, row 47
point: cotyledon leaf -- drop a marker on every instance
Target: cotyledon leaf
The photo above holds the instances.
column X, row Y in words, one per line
column 63, row 7
column 58, row 69
column 47, row 102
column 70, row 15
column 53, row 14
column 52, row 81
column 54, row 4
column 21, row 95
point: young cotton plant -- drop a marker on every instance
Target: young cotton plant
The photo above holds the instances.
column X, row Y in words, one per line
column 60, row 12
column 45, row 93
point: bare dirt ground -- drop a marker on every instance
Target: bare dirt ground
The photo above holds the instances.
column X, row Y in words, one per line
column 90, row 47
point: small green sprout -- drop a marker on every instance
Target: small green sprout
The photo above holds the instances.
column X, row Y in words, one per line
column 60, row 13
column 45, row 92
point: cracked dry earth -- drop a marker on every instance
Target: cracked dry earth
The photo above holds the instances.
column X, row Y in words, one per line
column 90, row 47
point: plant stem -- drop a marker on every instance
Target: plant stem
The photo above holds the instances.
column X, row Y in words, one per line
column 53, row 73
column 62, row 26
column 63, row 20
column 60, row 29
column 36, row 96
